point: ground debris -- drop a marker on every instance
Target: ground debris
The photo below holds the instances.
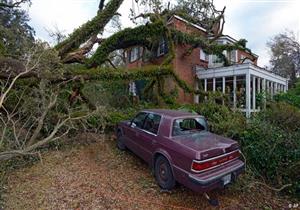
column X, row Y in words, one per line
column 98, row 176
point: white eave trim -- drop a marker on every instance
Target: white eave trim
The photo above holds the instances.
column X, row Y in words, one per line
column 184, row 20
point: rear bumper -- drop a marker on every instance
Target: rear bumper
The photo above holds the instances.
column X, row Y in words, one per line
column 213, row 179
column 206, row 181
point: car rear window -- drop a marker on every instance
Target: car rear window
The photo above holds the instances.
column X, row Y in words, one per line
column 189, row 125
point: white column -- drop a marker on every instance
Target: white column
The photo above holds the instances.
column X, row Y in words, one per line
column 272, row 89
column 264, row 92
column 259, row 90
column 248, row 94
column 223, row 84
column 258, row 84
column 253, row 93
column 196, row 96
column 267, row 88
column 234, row 91
column 279, row 87
column 223, row 89
column 214, row 84
column 205, row 88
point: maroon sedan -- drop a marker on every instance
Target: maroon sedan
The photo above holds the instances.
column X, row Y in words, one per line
column 179, row 148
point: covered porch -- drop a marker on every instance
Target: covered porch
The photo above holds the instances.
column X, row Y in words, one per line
column 247, row 86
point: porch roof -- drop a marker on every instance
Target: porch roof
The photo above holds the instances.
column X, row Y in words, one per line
column 239, row 69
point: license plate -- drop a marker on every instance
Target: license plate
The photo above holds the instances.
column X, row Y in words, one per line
column 226, row 179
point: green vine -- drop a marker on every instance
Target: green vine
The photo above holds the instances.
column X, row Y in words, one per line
column 142, row 35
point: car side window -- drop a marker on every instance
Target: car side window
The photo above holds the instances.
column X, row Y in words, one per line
column 138, row 121
column 152, row 123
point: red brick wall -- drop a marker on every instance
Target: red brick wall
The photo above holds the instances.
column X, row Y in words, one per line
column 247, row 55
column 184, row 65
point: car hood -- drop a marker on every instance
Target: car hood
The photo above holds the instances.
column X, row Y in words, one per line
column 207, row 144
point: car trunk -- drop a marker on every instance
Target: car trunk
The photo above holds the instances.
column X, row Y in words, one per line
column 206, row 145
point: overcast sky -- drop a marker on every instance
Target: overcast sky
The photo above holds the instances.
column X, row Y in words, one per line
column 255, row 20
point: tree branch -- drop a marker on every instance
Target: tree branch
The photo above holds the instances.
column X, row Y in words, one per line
column 89, row 29
column 3, row 6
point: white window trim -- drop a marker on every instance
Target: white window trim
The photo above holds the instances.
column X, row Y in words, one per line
column 202, row 55
column 134, row 54
column 161, row 43
column 132, row 89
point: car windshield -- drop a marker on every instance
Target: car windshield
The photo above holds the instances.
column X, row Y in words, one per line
column 189, row 125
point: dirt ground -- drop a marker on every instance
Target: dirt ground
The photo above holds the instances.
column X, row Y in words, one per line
column 98, row 176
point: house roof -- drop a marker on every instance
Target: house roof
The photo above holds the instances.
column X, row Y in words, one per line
column 230, row 38
column 184, row 20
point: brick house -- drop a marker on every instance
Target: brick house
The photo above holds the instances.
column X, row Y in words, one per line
column 243, row 80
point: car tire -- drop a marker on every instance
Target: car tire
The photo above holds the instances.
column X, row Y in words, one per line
column 163, row 173
column 120, row 144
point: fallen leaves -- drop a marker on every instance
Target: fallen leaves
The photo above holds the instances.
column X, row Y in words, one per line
column 98, row 176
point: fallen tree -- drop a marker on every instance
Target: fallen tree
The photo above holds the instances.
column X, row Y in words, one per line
column 68, row 62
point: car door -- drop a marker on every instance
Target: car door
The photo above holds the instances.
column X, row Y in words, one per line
column 133, row 133
column 148, row 137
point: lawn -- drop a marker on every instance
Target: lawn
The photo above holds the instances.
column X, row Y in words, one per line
column 95, row 175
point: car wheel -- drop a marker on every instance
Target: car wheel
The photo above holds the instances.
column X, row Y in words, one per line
column 120, row 143
column 163, row 173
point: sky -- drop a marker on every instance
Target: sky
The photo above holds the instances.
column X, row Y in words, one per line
column 255, row 20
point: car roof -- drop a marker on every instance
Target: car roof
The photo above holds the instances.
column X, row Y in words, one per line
column 171, row 113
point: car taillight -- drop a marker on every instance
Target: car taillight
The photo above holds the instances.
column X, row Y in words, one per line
column 198, row 166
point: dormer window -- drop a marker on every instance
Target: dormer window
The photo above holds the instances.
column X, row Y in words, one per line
column 233, row 56
column 162, row 48
column 203, row 55
column 134, row 54
column 216, row 59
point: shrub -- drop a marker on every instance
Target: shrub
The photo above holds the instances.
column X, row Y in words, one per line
column 221, row 119
column 271, row 144
column 283, row 115
column 291, row 97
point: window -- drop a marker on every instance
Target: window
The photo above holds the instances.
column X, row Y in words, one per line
column 152, row 123
column 203, row 55
column 134, row 54
column 162, row 47
column 132, row 88
column 233, row 56
column 216, row 59
column 138, row 121
column 189, row 125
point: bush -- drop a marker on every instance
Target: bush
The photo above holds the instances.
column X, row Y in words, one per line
column 220, row 118
column 271, row 144
column 283, row 115
column 270, row 140
column 291, row 97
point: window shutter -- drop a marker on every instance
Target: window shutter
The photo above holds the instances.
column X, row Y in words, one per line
column 166, row 50
column 202, row 55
